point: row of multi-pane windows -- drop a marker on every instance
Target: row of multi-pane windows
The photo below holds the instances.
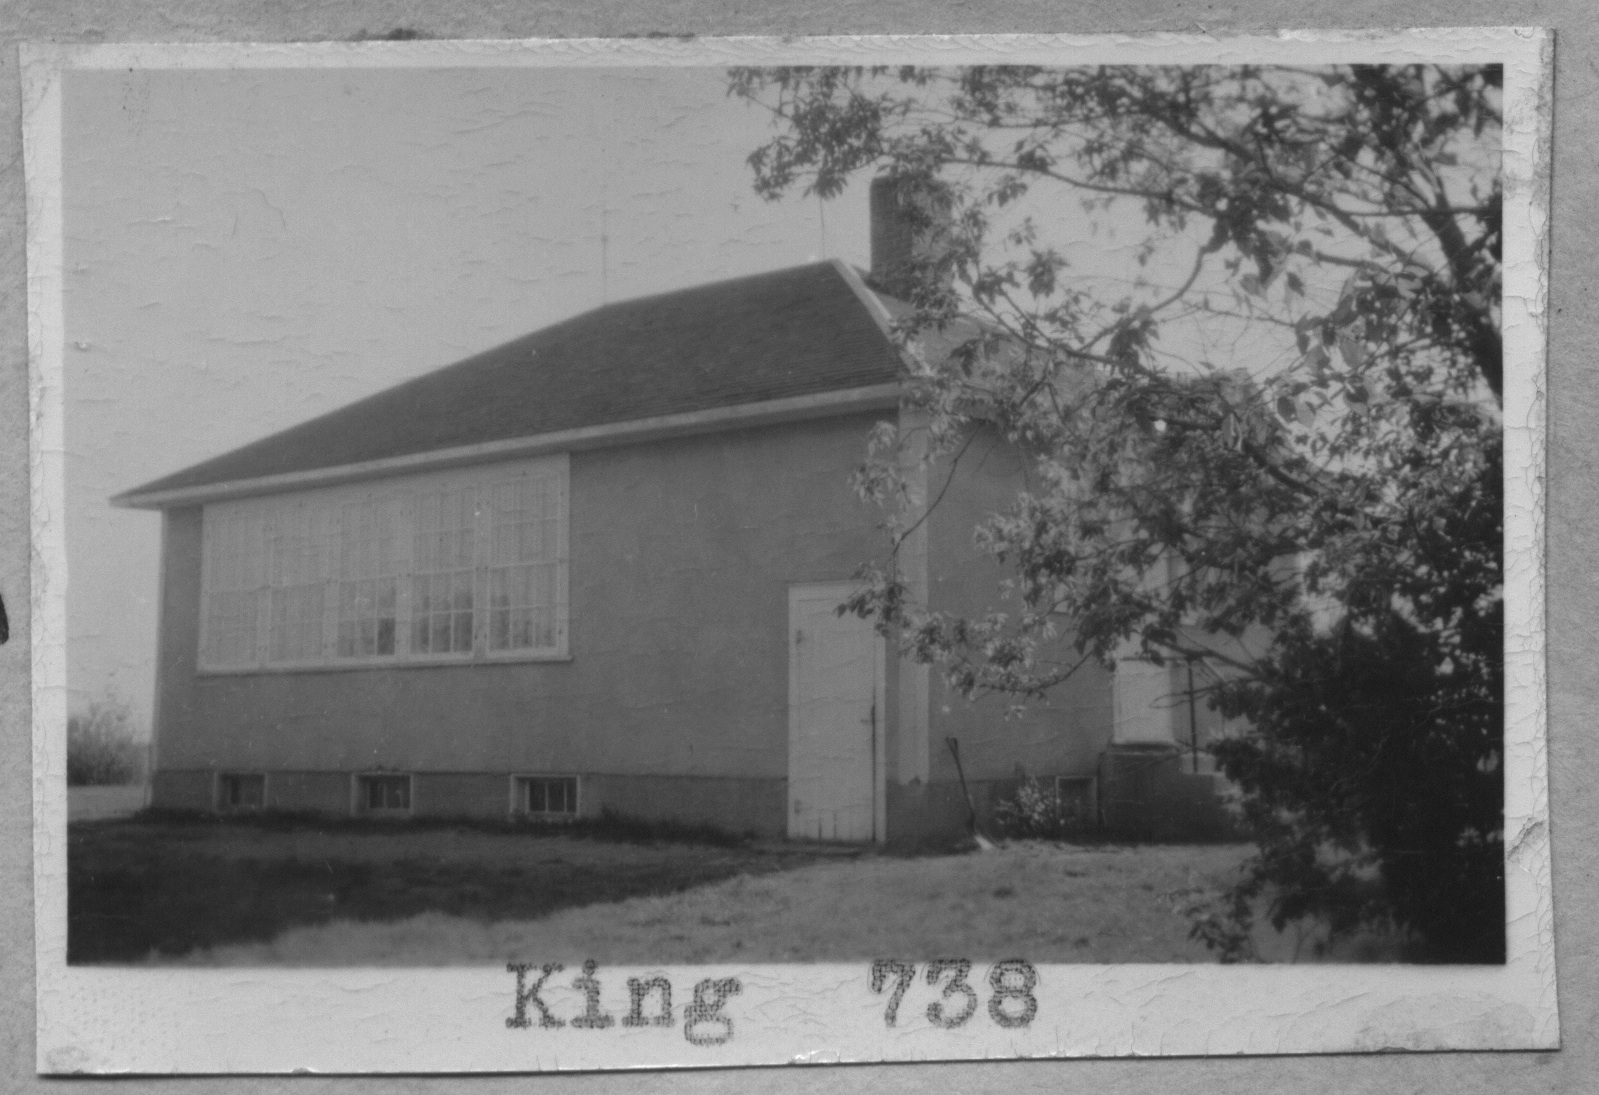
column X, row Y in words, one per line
column 435, row 567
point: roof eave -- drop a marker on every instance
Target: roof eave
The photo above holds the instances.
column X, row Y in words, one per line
column 636, row 431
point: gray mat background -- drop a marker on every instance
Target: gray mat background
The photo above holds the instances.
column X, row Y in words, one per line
column 1573, row 511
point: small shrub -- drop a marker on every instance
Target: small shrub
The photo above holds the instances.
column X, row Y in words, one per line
column 1224, row 922
column 103, row 747
column 1037, row 812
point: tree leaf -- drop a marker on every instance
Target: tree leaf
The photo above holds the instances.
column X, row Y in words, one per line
column 1351, row 349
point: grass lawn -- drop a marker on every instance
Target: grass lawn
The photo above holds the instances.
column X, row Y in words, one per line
column 1047, row 903
column 306, row 894
column 150, row 887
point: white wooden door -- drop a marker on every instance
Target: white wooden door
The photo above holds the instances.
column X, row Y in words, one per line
column 835, row 723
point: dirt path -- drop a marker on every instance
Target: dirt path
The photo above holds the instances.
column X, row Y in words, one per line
column 1042, row 902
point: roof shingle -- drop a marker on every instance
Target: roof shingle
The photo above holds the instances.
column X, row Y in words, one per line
column 793, row 332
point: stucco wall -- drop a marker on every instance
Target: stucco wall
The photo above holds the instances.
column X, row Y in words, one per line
column 681, row 556
column 682, row 553
column 1062, row 735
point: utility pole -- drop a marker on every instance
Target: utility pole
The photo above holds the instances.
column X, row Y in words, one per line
column 605, row 256
column 1193, row 719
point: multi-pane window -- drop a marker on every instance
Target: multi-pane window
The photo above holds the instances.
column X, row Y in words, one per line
column 368, row 577
column 234, row 577
column 297, row 582
column 524, row 561
column 439, row 567
column 547, row 796
column 443, row 568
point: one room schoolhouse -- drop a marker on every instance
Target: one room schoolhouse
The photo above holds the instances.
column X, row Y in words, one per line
column 597, row 568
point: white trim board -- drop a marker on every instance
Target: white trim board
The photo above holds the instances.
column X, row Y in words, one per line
column 686, row 424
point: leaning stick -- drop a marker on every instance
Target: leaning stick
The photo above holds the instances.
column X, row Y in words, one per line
column 971, row 810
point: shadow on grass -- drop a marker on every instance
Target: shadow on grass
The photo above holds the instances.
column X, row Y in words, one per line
column 157, row 883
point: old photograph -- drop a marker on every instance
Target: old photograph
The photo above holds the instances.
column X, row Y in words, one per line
column 614, row 528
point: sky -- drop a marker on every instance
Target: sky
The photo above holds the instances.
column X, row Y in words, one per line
column 247, row 249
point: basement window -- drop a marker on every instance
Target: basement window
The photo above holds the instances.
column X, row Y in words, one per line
column 241, row 791
column 1077, row 799
column 383, row 795
column 547, row 797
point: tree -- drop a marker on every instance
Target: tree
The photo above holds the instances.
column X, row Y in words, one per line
column 103, row 746
column 1280, row 417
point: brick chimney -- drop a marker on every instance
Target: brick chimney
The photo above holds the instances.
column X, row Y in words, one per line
column 907, row 220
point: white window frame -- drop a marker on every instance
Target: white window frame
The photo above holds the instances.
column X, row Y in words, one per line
column 249, row 529
column 470, row 495
column 358, row 807
column 518, row 810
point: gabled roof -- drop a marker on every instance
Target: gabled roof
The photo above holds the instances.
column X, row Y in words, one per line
column 781, row 336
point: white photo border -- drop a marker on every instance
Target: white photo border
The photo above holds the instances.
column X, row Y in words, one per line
column 110, row 1019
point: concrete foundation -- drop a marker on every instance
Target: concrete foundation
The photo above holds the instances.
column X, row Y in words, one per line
column 183, row 790
column 736, row 805
column 1146, row 791
column 1142, row 791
